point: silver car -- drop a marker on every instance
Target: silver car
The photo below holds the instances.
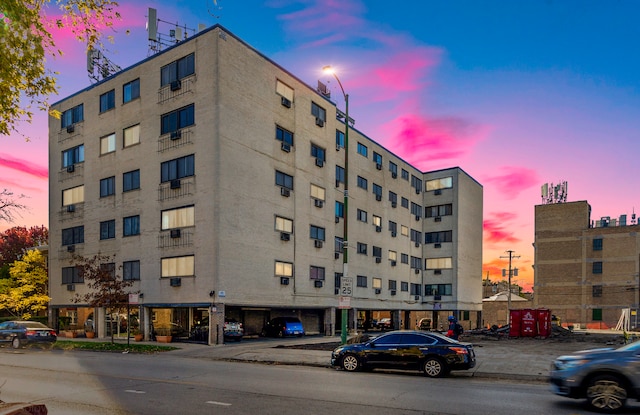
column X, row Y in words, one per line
column 605, row 377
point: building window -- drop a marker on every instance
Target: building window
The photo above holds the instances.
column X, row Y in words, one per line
column 596, row 314
column 175, row 120
column 316, row 232
column 376, row 283
column 183, row 266
column 404, row 286
column 377, row 159
column 319, row 153
column 362, row 248
column 181, row 217
column 72, row 236
column 438, row 263
column 416, row 210
column 404, row 258
column 177, row 168
column 283, row 135
column 377, row 252
column 404, row 230
column 338, row 245
column 416, row 262
column 393, row 255
column 393, row 168
column 131, row 225
column 72, row 116
column 284, row 180
column 108, row 186
column 283, row 269
column 438, row 237
column 416, row 183
column 284, row 90
column 377, row 190
column 73, row 156
column 392, row 284
column 130, row 91
column 107, row 100
column 404, row 202
column 437, row 184
column 131, row 270
column 416, row 236
column 71, row 275
column 597, row 244
column 393, row 198
column 317, row 192
column 108, row 144
column 361, row 281
column 131, row 136
column 597, row 267
column 437, row 289
column 318, row 112
column 596, row 291
column 376, row 221
column 393, row 227
column 363, row 183
column 416, row 289
column 362, row 215
column 178, row 69
column 316, row 273
column 339, row 139
column 339, row 175
column 405, row 175
column 73, row 195
column 339, row 209
column 283, row 225
column 108, row 229
column 439, row 210
column 131, row 180
column 363, row 150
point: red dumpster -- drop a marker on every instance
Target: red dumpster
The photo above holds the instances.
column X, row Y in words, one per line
column 515, row 322
column 544, row 322
column 529, row 322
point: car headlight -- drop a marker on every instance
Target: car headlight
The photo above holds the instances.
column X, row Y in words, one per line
column 569, row 364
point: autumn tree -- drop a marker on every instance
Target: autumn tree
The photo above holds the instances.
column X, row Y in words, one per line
column 14, row 242
column 106, row 288
column 27, row 38
column 24, row 294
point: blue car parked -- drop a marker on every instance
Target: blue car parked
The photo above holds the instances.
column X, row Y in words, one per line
column 283, row 326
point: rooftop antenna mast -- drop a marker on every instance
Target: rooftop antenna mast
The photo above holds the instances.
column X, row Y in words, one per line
column 99, row 66
column 176, row 34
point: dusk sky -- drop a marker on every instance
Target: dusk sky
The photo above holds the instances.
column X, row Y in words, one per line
column 516, row 93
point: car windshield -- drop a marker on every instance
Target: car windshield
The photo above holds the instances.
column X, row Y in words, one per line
column 34, row 325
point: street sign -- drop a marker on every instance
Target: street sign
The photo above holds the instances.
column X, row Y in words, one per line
column 344, row 302
column 346, row 286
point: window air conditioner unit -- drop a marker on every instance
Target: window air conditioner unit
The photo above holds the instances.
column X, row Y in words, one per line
column 285, row 147
column 437, row 219
column 393, row 292
column 417, row 297
column 338, row 147
column 417, row 244
column 437, row 192
column 319, row 162
column 393, row 263
column 71, row 168
column 285, row 192
column 71, row 208
column 284, row 281
column 417, row 191
column 378, row 166
column 394, row 175
column 417, row 217
column 176, row 134
column 378, row 260
column 285, row 102
column 437, row 297
column 319, row 203
column 71, row 248
column 175, row 184
column 336, row 255
column 378, row 291
column 378, row 228
column 319, row 122
column 337, row 219
column 417, row 271
column 337, row 183
column 437, row 245
column 284, row 236
column 175, row 233
column 317, row 283
column 394, row 204
column 71, row 128
column 317, row 243
column 71, row 287
column 175, row 282
column 176, row 85
column 393, row 234
column 378, row 198
column 437, row 271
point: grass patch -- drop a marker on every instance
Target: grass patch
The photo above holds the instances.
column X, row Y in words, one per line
column 111, row 347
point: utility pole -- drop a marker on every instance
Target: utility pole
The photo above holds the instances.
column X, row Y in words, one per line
column 511, row 256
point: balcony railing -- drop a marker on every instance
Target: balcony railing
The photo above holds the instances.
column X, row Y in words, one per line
column 177, row 188
column 175, row 139
column 176, row 89
column 168, row 239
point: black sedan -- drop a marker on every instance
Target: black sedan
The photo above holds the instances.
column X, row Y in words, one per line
column 432, row 353
column 20, row 333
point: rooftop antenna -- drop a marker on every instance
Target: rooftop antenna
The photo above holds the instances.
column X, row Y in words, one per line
column 554, row 193
column 99, row 66
column 159, row 40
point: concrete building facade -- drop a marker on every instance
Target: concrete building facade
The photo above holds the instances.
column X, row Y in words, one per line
column 586, row 272
column 215, row 177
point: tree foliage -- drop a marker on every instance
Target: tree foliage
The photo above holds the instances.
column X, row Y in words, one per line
column 14, row 242
column 24, row 294
column 106, row 288
column 27, row 38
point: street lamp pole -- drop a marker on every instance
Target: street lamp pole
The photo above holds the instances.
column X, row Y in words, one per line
column 345, row 222
column 511, row 256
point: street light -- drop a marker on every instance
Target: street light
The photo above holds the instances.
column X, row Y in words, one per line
column 345, row 244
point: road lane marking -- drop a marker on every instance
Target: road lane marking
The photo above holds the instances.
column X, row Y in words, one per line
column 134, row 391
column 218, row 403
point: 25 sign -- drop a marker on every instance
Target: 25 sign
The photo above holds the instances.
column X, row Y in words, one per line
column 346, row 286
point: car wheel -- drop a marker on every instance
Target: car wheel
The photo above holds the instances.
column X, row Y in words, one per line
column 606, row 393
column 350, row 363
column 433, row 367
column 16, row 343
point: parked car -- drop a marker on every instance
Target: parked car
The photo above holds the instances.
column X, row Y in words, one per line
column 432, row 353
column 283, row 326
column 384, row 324
column 605, row 377
column 20, row 333
column 233, row 329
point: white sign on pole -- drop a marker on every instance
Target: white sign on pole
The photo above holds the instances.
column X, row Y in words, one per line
column 344, row 302
column 346, row 286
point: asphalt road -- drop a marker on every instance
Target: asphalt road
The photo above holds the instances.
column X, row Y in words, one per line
column 80, row 382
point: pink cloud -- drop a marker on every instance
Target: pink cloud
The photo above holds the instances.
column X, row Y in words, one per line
column 513, row 180
column 23, row 166
column 495, row 228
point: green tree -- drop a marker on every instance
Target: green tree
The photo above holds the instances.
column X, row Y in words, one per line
column 24, row 295
column 106, row 288
column 14, row 242
column 27, row 38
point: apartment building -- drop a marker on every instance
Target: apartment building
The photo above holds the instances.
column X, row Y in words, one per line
column 216, row 178
column 586, row 271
